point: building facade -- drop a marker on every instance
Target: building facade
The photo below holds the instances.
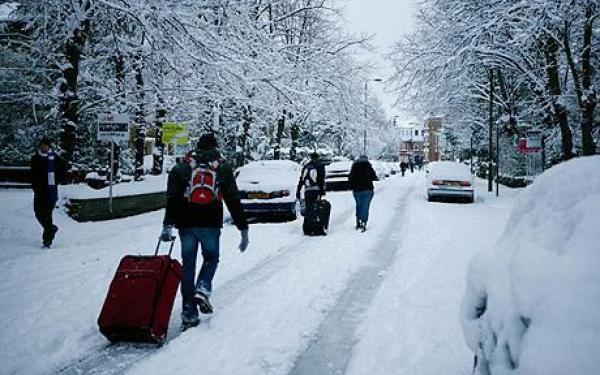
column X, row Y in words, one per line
column 433, row 129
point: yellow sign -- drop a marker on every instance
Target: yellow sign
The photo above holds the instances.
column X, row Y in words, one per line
column 175, row 133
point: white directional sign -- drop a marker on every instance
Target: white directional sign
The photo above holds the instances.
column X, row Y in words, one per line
column 534, row 141
column 113, row 127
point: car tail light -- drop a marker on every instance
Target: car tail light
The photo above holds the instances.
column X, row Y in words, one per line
column 437, row 182
column 465, row 183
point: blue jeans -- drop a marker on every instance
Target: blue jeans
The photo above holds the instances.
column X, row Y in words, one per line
column 208, row 238
column 363, row 201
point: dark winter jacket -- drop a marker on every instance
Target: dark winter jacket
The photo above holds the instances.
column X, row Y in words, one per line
column 320, row 181
column 362, row 176
column 184, row 214
column 39, row 175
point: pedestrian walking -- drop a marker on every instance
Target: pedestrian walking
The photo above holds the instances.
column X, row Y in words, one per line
column 412, row 166
column 403, row 167
column 196, row 189
column 312, row 179
column 317, row 210
column 46, row 170
column 361, row 180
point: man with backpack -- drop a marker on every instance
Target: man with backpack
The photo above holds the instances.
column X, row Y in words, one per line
column 317, row 210
column 312, row 179
column 196, row 190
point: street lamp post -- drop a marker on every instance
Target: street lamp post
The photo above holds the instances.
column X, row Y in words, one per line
column 365, row 129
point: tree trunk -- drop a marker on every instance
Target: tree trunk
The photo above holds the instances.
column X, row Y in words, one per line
column 159, row 146
column 295, row 136
column 590, row 97
column 279, row 137
column 243, row 136
column 140, row 132
column 559, row 110
column 69, row 101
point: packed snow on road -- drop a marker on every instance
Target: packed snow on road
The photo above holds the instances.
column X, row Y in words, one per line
column 383, row 301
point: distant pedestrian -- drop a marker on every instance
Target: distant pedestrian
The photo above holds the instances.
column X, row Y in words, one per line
column 412, row 166
column 312, row 179
column 46, row 169
column 361, row 180
column 196, row 189
column 403, row 167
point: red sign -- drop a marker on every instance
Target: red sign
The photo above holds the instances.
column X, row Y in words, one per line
column 522, row 145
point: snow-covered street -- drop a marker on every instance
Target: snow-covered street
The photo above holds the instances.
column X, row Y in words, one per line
column 381, row 302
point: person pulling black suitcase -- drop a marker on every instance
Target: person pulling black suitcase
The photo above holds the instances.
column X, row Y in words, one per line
column 316, row 220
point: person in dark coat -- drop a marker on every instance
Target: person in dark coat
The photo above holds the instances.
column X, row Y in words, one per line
column 361, row 180
column 403, row 167
column 312, row 180
column 196, row 189
column 46, row 168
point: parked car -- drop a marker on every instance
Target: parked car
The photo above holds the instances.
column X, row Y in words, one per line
column 336, row 175
column 380, row 170
column 268, row 188
column 449, row 180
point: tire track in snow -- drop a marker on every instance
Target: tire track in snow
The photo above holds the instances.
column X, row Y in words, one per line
column 330, row 351
column 116, row 359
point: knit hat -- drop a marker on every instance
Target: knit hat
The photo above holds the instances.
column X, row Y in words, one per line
column 45, row 141
column 207, row 142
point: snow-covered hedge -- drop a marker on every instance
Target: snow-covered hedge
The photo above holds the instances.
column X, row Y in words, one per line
column 532, row 304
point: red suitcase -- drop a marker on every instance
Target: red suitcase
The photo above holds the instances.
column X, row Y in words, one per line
column 140, row 298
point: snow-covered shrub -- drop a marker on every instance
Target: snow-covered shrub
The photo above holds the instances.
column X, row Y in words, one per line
column 532, row 304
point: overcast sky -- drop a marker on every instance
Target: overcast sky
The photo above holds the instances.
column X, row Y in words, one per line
column 387, row 19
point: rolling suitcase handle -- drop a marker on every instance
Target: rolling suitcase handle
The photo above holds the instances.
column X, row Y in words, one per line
column 170, row 248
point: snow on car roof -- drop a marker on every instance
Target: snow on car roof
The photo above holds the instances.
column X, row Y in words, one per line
column 449, row 169
column 340, row 165
column 272, row 164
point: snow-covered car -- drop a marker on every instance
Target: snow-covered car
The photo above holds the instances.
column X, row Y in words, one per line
column 379, row 169
column 449, row 180
column 532, row 300
column 336, row 175
column 268, row 188
column 394, row 167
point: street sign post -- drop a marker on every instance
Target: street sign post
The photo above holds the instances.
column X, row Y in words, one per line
column 531, row 148
column 112, row 127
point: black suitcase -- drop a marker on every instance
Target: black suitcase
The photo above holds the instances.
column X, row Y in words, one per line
column 316, row 219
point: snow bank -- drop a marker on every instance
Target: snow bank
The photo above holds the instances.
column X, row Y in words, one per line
column 532, row 303
column 150, row 184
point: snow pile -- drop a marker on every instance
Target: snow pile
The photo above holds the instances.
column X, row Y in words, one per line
column 532, row 304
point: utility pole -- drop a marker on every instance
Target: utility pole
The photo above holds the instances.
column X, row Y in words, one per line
column 491, row 129
column 471, row 153
column 365, row 129
column 497, row 159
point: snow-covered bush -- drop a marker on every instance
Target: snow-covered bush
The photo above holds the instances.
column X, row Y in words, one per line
column 532, row 304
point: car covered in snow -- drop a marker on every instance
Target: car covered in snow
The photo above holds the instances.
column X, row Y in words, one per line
column 336, row 175
column 532, row 300
column 449, row 180
column 268, row 188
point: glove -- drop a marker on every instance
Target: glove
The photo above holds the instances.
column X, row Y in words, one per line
column 244, row 240
column 167, row 233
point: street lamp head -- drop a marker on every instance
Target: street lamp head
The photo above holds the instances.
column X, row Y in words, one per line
column 378, row 80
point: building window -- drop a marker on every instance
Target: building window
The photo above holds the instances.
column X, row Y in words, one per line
column 417, row 132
